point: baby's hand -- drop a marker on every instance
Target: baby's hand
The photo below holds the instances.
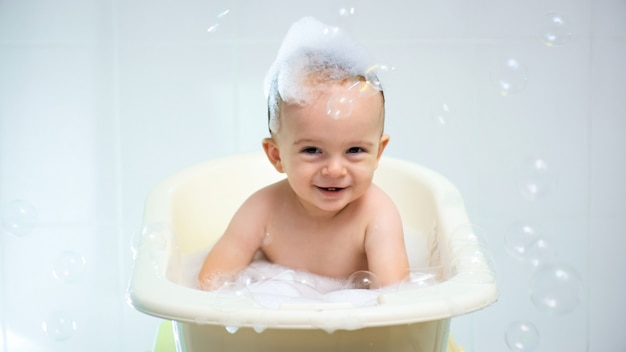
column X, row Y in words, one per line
column 214, row 281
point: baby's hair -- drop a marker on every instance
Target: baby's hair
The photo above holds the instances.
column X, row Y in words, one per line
column 304, row 77
column 312, row 56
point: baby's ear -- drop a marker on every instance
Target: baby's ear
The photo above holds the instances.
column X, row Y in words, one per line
column 384, row 140
column 273, row 154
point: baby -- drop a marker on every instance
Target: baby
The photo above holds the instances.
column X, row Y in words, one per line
column 326, row 117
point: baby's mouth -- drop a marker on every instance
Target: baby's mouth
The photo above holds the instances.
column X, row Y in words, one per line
column 331, row 189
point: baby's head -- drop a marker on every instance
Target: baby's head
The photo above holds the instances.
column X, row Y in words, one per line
column 313, row 58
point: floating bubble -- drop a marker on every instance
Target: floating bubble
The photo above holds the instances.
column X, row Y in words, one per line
column 472, row 264
column 556, row 288
column 536, row 178
column 214, row 27
column 374, row 73
column 553, row 30
column 519, row 239
column 69, row 267
column 59, row 326
column 539, row 252
column 155, row 235
column 19, row 217
column 347, row 10
column 363, row 279
column 522, row 336
column 509, row 76
column 340, row 105
column 442, row 113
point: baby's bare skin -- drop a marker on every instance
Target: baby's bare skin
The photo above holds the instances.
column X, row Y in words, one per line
column 327, row 217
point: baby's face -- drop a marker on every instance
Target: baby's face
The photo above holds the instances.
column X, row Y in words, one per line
column 330, row 161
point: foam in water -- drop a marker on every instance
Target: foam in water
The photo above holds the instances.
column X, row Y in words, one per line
column 311, row 47
column 277, row 287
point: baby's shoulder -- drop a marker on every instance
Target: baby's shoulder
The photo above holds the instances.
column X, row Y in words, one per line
column 376, row 195
column 377, row 202
column 268, row 195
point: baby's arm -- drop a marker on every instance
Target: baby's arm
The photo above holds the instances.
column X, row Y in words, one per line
column 237, row 246
column 384, row 242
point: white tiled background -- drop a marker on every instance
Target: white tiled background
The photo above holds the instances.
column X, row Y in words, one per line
column 99, row 100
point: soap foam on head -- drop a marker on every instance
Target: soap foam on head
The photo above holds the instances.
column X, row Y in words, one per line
column 311, row 55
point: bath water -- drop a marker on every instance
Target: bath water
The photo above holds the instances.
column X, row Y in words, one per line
column 274, row 286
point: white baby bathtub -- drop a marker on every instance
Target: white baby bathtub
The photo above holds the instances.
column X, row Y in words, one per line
column 190, row 210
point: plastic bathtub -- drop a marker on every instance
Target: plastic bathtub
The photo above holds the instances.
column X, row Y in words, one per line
column 188, row 211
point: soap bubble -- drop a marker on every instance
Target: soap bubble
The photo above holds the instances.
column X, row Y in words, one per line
column 442, row 113
column 509, row 76
column 340, row 105
column 155, row 234
column 69, row 267
column 519, row 239
column 220, row 16
column 347, row 10
column 376, row 74
column 553, row 30
column 19, row 217
column 522, row 336
column 536, row 178
column 539, row 252
column 363, row 279
column 472, row 264
column 556, row 288
column 59, row 326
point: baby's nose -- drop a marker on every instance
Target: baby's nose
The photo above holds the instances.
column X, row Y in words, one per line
column 334, row 168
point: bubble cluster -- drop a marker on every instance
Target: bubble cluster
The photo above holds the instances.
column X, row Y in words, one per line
column 509, row 76
column 556, row 288
column 59, row 326
column 522, row 336
column 19, row 217
column 553, row 29
column 69, row 267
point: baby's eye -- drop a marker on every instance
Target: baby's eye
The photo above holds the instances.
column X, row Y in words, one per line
column 355, row 150
column 310, row 150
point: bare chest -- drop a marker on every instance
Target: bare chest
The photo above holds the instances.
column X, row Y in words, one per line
column 334, row 250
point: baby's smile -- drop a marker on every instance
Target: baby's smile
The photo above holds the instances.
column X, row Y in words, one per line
column 332, row 189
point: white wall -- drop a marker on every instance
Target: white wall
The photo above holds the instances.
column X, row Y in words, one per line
column 99, row 100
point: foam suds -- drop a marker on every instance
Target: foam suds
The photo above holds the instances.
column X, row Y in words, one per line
column 275, row 287
column 310, row 47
